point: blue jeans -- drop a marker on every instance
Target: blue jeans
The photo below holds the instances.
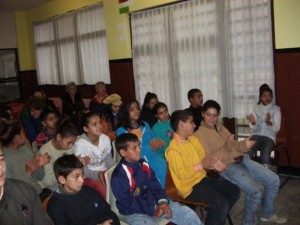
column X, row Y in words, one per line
column 182, row 215
column 250, row 176
column 265, row 145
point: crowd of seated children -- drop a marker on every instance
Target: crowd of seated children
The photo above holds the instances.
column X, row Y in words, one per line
column 20, row 161
column 195, row 98
column 72, row 102
column 265, row 121
column 49, row 120
column 96, row 104
column 188, row 165
column 241, row 170
column 62, row 144
column 74, row 203
column 132, row 123
column 162, row 128
column 139, row 195
column 19, row 201
column 147, row 113
column 30, row 117
column 96, row 145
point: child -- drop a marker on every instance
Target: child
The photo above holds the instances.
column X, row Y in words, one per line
column 147, row 113
column 74, row 203
column 162, row 129
column 195, row 97
column 96, row 145
column 132, row 123
column 188, row 165
column 19, row 202
column 138, row 193
column 264, row 125
column 49, row 122
column 250, row 176
column 62, row 144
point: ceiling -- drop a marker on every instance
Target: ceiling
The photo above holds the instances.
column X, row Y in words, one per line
column 19, row 5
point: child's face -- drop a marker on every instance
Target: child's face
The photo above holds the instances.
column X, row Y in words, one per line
column 73, row 182
column 163, row 114
column 35, row 113
column 94, row 127
column 197, row 100
column 210, row 116
column 188, row 126
column 20, row 138
column 134, row 112
column 115, row 108
column 152, row 103
column 266, row 98
column 2, row 169
column 50, row 121
column 65, row 143
column 133, row 151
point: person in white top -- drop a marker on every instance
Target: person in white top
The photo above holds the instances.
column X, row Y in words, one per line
column 96, row 145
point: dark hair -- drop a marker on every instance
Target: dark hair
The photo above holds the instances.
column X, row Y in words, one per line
column 4, row 114
column 211, row 104
column 121, row 141
column 66, row 129
column 8, row 130
column 147, row 99
column 179, row 115
column 124, row 114
column 64, row 165
column 45, row 113
column 159, row 105
column 192, row 93
column 86, row 118
column 35, row 103
column 264, row 88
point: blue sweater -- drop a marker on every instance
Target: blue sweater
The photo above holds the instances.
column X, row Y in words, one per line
column 136, row 188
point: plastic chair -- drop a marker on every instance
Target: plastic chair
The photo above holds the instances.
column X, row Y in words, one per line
column 110, row 198
column 116, row 155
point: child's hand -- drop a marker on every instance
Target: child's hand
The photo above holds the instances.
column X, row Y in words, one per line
column 166, row 210
column 219, row 166
column 207, row 162
column 267, row 119
column 230, row 140
column 251, row 118
column 156, row 143
column 84, row 159
column 249, row 143
column 101, row 177
column 31, row 166
column 43, row 159
column 107, row 222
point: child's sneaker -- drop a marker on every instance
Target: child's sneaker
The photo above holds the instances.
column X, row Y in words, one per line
column 274, row 219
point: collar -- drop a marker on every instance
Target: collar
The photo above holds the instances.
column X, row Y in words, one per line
column 180, row 139
column 219, row 125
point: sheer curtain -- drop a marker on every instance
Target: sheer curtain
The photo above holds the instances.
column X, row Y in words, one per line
column 72, row 47
column 223, row 48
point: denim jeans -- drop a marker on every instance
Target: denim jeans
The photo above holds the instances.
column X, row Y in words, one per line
column 250, row 176
column 219, row 194
column 265, row 145
column 182, row 215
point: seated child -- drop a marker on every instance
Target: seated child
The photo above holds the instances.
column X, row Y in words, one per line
column 49, row 122
column 138, row 193
column 74, row 203
column 62, row 144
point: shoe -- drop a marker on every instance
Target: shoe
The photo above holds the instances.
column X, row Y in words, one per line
column 274, row 219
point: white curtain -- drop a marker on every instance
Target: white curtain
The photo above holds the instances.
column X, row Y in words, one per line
column 72, row 47
column 223, row 48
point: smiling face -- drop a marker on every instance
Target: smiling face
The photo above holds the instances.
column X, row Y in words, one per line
column 210, row 117
column 133, row 151
column 134, row 112
column 266, row 98
column 73, row 182
column 163, row 114
column 2, row 170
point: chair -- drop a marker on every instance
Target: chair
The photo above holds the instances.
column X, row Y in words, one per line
column 34, row 147
column 171, row 192
column 116, row 155
column 110, row 198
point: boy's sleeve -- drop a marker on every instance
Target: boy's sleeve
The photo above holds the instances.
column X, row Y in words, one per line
column 156, row 188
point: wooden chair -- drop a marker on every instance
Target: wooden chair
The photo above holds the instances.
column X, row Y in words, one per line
column 171, row 192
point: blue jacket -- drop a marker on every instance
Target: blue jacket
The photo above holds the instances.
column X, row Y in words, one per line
column 157, row 163
column 136, row 188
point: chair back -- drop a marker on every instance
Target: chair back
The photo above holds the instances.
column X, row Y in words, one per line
column 116, row 155
column 281, row 137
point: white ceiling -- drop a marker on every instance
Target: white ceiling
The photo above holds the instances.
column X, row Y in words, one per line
column 19, row 5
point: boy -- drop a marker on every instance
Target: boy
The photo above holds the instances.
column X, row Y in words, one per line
column 195, row 97
column 139, row 194
column 188, row 165
column 49, row 122
column 19, row 202
column 74, row 204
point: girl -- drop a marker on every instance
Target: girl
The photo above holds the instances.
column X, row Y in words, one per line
column 20, row 161
column 264, row 124
column 62, row 144
column 147, row 113
column 132, row 123
column 96, row 145
column 162, row 129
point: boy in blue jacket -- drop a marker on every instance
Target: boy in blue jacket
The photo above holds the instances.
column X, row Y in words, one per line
column 139, row 195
